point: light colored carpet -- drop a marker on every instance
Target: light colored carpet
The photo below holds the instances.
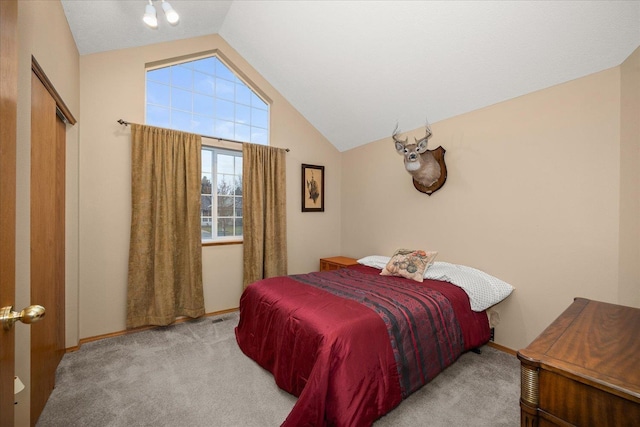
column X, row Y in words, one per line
column 193, row 374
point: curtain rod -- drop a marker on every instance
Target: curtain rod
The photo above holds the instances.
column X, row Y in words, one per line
column 126, row 123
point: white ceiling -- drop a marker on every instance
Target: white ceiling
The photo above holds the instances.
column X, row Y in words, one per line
column 355, row 68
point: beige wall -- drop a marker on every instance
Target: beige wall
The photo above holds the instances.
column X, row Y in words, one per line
column 630, row 180
column 112, row 86
column 539, row 193
column 532, row 197
column 43, row 32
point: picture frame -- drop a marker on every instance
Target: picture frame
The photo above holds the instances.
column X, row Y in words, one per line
column 312, row 188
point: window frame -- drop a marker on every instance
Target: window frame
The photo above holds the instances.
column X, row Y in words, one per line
column 241, row 78
column 216, row 142
column 219, row 240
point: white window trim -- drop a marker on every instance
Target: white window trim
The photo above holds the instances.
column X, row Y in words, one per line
column 220, row 145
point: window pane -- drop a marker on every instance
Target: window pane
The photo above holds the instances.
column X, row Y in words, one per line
column 224, row 89
column 204, row 83
column 206, row 158
column 181, row 120
column 238, row 203
column 205, row 228
column 202, row 125
column 224, row 110
column 205, row 187
column 225, row 184
column 238, row 227
column 243, row 132
column 238, row 161
column 181, row 99
column 225, row 163
column 225, row 226
column 205, row 65
column 186, row 64
column 157, row 116
column 225, row 206
column 203, row 104
column 259, row 118
column 243, row 95
column 224, row 129
column 161, row 75
column 238, row 185
column 257, row 102
column 181, row 77
column 205, row 205
column 224, row 71
column 243, row 114
column 158, row 94
column 259, row 136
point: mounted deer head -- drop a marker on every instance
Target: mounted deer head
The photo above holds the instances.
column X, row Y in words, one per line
column 418, row 161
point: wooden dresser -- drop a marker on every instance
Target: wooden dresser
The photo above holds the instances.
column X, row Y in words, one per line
column 336, row 262
column 584, row 369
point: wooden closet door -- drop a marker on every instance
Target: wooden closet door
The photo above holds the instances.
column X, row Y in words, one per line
column 47, row 242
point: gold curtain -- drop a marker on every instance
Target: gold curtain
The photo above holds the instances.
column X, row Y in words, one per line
column 264, row 216
column 165, row 252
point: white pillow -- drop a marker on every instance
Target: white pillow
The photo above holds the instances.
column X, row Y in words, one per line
column 375, row 261
column 483, row 289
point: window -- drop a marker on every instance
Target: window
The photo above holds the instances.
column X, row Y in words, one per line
column 205, row 97
column 221, row 195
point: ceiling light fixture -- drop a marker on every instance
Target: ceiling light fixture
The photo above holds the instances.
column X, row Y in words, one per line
column 170, row 13
column 150, row 18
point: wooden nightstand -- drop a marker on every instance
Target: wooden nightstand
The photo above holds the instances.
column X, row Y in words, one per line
column 336, row 262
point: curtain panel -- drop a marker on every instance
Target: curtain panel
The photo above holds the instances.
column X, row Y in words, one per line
column 165, row 254
column 265, row 216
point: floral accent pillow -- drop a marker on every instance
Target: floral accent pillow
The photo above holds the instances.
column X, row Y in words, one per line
column 409, row 263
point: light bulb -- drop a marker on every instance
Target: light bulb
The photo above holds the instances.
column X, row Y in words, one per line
column 149, row 17
column 170, row 13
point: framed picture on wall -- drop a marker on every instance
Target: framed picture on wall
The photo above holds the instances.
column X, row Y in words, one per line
column 312, row 188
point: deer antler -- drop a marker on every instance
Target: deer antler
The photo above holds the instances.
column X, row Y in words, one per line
column 419, row 162
column 396, row 131
column 428, row 134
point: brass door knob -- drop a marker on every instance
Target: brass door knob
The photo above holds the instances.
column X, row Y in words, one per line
column 31, row 314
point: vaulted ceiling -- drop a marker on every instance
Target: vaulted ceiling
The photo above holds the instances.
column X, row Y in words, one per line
column 356, row 68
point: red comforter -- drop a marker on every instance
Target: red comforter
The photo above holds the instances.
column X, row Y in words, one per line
column 351, row 344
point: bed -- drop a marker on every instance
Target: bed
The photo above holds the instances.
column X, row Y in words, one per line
column 351, row 343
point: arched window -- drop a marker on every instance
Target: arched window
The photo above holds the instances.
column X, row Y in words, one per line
column 204, row 96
